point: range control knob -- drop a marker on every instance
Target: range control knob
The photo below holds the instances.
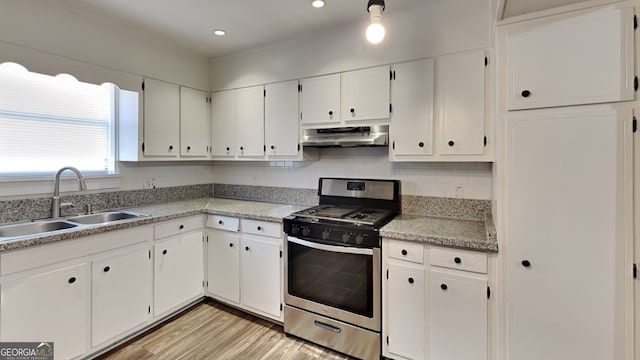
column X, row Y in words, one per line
column 294, row 230
column 325, row 234
column 346, row 236
column 359, row 239
column 306, row 231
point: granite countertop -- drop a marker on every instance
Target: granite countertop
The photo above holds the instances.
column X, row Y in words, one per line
column 459, row 233
column 467, row 234
column 163, row 212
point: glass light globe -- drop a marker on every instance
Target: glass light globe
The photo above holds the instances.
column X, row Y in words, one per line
column 375, row 33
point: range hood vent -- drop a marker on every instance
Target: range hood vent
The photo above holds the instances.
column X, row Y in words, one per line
column 347, row 136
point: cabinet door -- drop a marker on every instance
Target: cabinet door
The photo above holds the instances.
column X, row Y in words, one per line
column 457, row 321
column 573, row 58
column 567, row 262
column 161, row 118
column 281, row 119
column 320, row 100
column 412, row 94
column 260, row 275
column 194, row 123
column 460, row 103
column 365, row 94
column 178, row 272
column 121, row 293
column 223, row 123
column 406, row 310
column 223, row 265
column 53, row 306
column 250, row 122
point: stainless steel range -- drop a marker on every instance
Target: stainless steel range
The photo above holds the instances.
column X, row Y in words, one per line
column 332, row 265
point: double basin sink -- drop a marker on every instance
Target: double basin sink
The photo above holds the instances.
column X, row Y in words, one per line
column 47, row 226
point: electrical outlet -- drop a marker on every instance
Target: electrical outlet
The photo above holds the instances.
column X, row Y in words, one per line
column 458, row 192
column 149, row 184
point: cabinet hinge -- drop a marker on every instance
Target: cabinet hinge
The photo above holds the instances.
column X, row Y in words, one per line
column 387, row 340
column 486, row 61
column 387, row 274
column 635, row 271
column 390, row 108
column 635, row 22
column 635, row 83
column 634, row 124
column 488, row 292
column 485, row 140
column 143, row 86
column 142, row 147
column 149, row 310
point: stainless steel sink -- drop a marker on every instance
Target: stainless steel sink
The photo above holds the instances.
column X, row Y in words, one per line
column 105, row 217
column 33, row 228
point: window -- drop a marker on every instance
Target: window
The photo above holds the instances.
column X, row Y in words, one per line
column 47, row 122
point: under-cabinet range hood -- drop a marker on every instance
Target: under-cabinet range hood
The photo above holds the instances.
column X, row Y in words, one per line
column 347, row 136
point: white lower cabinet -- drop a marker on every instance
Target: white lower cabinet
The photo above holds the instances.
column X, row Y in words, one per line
column 120, row 292
column 435, row 303
column 244, row 268
column 49, row 306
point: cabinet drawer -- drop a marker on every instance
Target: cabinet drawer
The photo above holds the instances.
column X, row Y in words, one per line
column 264, row 228
column 179, row 226
column 406, row 251
column 221, row 222
column 458, row 259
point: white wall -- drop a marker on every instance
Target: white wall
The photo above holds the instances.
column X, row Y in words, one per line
column 425, row 179
column 51, row 39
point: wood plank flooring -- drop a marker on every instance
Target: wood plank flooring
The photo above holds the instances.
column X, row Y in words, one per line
column 211, row 330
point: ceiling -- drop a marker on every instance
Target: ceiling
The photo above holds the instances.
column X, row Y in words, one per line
column 249, row 23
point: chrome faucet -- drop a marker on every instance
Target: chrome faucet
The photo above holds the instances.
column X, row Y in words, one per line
column 55, row 200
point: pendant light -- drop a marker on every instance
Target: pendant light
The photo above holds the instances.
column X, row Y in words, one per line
column 375, row 30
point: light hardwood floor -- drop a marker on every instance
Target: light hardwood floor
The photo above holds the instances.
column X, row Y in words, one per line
column 211, row 330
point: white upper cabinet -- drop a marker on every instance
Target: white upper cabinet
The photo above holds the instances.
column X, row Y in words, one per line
column 320, row 100
column 365, row 94
column 194, row 123
column 161, row 118
column 223, row 128
column 460, row 99
column 250, row 122
column 582, row 57
column 412, row 97
column 281, row 119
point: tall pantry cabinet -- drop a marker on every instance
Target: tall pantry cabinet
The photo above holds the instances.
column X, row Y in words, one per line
column 565, row 85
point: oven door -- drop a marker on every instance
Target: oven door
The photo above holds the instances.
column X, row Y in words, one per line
column 339, row 282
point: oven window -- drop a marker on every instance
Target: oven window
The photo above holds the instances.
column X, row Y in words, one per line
column 343, row 281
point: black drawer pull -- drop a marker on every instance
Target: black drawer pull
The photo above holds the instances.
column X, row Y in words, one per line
column 164, row 252
column 330, row 113
column 443, row 286
column 525, row 93
column 404, row 252
column 457, row 260
column 411, row 281
column 246, row 248
column 259, row 228
column 421, row 144
column 526, row 263
column 106, row 269
column 220, row 222
column 72, row 280
column 181, row 227
column 230, row 245
column 451, row 143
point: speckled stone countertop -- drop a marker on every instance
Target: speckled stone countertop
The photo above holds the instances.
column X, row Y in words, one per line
column 163, row 212
column 465, row 234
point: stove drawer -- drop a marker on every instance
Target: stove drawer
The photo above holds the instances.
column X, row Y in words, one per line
column 458, row 259
column 264, row 228
column 221, row 222
column 407, row 251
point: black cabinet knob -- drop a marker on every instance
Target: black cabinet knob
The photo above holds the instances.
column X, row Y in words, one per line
column 526, row 263
column 181, row 227
column 421, row 144
column 404, row 252
column 72, row 280
column 164, row 252
column 457, row 260
column 246, row 248
column 220, row 222
column 241, row 148
column 230, row 245
column 352, row 110
column 259, row 228
column 170, row 147
column 443, row 286
column 272, row 147
column 451, row 143
column 228, row 148
column 411, row 281
column 106, row 269
column 188, row 148
column 330, row 113
column 525, row 93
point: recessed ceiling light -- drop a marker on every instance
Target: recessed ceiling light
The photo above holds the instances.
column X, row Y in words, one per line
column 317, row 3
column 219, row 32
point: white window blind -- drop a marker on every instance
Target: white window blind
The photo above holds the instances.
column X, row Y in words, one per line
column 47, row 122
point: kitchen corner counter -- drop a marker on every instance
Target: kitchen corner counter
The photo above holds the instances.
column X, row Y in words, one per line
column 163, row 212
column 459, row 233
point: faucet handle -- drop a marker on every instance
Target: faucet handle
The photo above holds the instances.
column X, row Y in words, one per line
column 66, row 205
column 88, row 209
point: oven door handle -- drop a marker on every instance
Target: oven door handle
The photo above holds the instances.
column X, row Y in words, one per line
column 339, row 249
